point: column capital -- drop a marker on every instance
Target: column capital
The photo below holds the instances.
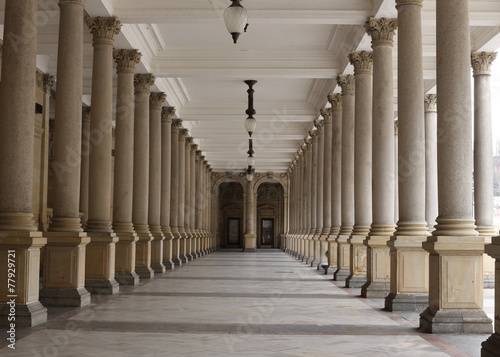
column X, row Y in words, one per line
column 396, row 127
column 408, row 2
column 202, row 158
column 189, row 141
column 381, row 30
column 45, row 81
column 347, row 83
column 126, row 60
column 481, row 62
column 156, row 99
column 104, row 29
column 319, row 124
column 430, row 102
column 85, row 114
column 143, row 82
column 335, row 100
column 314, row 136
column 326, row 113
column 167, row 114
column 183, row 133
column 194, row 148
column 362, row 62
column 176, row 124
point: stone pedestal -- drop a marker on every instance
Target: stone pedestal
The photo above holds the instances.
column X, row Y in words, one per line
column 100, row 264
column 143, row 252
column 378, row 268
column 64, row 270
column 125, row 257
column 343, row 258
column 491, row 346
column 26, row 249
column 357, row 262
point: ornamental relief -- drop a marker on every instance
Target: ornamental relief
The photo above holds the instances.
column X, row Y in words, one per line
column 269, row 192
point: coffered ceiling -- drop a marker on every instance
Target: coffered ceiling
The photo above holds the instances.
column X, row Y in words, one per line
column 293, row 48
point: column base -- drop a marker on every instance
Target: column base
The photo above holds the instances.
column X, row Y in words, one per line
column 354, row 281
column 375, row 290
column 143, row 253
column 157, row 250
column 102, row 286
column 341, row 275
column 455, row 321
column 127, row 277
column 100, row 263
column 27, row 315
column 64, row 297
column 406, row 302
column 491, row 346
column 177, row 262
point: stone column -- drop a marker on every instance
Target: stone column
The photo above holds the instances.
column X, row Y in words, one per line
column 204, row 193
column 336, row 173
column 431, row 185
column 156, row 100
column 174, row 198
column 327, row 188
column 187, row 199
column 100, row 259
column 409, row 292
column 319, row 250
column 199, row 207
column 66, row 240
column 142, row 83
column 347, row 84
column 483, row 158
column 313, row 254
column 84, row 167
column 378, row 257
column 182, row 195
column 124, row 168
column 250, row 237
column 363, row 71
column 456, row 249
column 195, row 238
column 17, row 228
column 166, row 184
column 308, row 198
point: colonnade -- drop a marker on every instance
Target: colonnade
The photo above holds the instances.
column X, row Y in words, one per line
column 128, row 199
column 431, row 258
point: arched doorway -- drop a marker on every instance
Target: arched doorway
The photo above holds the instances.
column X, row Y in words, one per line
column 231, row 215
column 270, row 214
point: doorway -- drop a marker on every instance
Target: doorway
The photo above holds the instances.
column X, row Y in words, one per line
column 233, row 231
column 267, row 232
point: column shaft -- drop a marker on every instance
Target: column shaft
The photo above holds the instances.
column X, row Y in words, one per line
column 174, row 197
column 156, row 100
column 100, row 273
column 124, row 168
column 456, row 251
column 319, row 247
column 431, row 183
column 17, row 229
column 182, row 195
column 66, row 242
column 140, row 218
column 166, row 184
column 84, row 167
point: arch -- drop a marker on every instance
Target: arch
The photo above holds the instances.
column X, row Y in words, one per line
column 270, row 177
column 221, row 177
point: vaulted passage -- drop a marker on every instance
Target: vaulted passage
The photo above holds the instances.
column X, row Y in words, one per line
column 231, row 303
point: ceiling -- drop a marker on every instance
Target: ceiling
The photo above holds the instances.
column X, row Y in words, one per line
column 293, row 48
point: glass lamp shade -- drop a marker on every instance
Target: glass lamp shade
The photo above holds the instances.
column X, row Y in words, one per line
column 251, row 161
column 235, row 17
column 249, row 177
column 250, row 125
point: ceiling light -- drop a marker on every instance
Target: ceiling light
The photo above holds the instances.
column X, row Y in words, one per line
column 235, row 17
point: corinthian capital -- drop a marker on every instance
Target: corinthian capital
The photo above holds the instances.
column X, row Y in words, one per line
column 142, row 82
column 104, row 28
column 126, row 60
column 335, row 100
column 326, row 113
column 381, row 30
column 48, row 82
column 176, row 124
column 183, row 133
column 362, row 62
column 167, row 113
column 481, row 62
column 430, row 102
column 156, row 99
column 347, row 83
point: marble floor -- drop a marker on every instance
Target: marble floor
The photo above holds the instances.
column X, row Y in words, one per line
column 231, row 303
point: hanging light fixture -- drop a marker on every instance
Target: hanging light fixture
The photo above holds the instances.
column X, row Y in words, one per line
column 235, row 17
column 250, row 125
